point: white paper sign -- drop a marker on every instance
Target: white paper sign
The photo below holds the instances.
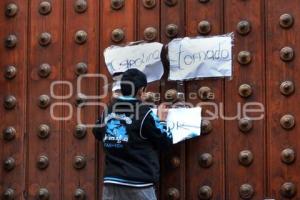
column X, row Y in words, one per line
column 145, row 57
column 184, row 123
column 200, row 57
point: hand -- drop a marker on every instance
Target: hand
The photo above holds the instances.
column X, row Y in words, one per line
column 162, row 112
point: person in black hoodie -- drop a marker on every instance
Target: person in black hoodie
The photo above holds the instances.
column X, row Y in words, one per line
column 132, row 136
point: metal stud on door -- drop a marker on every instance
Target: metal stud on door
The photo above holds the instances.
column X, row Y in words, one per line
column 9, row 164
column 117, row 35
column 11, row 41
column 80, row 6
column 10, row 102
column 245, row 124
column 287, row 88
column 81, row 68
column 117, row 4
column 43, row 194
column 288, row 156
column 11, row 10
column 150, row 34
column 45, row 8
column 80, row 131
column 205, row 193
column 286, row 20
column 244, row 57
column 173, row 194
column 81, row 37
column 44, row 70
column 9, row 133
column 205, row 160
column 246, row 191
column 171, row 30
column 149, row 3
column 10, row 72
column 204, row 27
column 42, row 162
column 43, row 131
column 79, row 194
column 8, row 194
column 243, row 27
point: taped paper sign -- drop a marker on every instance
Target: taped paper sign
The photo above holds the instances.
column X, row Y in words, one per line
column 184, row 123
column 145, row 57
column 200, row 57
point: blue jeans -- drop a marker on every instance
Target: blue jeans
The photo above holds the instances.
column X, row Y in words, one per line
column 118, row 192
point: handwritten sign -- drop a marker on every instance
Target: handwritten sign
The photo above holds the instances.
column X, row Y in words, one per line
column 184, row 123
column 145, row 57
column 200, row 57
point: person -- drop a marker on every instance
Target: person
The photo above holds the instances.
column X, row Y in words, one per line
column 132, row 136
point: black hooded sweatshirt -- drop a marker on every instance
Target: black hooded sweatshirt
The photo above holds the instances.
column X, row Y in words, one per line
column 132, row 137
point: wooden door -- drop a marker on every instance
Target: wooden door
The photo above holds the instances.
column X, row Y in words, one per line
column 51, row 59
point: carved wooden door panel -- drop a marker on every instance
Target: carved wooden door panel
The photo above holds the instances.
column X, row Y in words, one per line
column 52, row 67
